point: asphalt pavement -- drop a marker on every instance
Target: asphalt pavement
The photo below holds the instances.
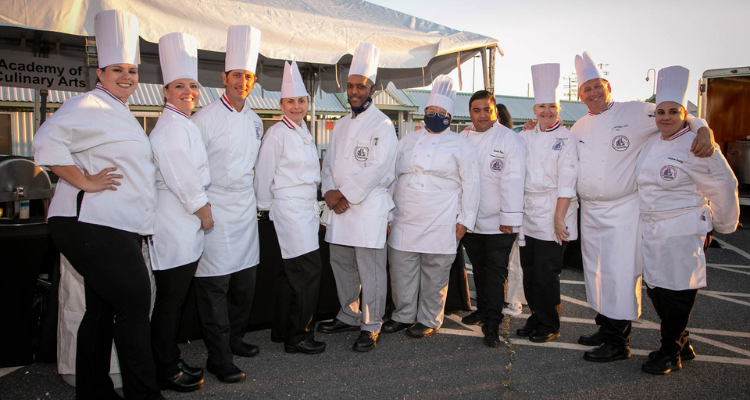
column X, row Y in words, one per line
column 454, row 364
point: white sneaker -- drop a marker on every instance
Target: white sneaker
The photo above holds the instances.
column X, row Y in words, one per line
column 512, row 309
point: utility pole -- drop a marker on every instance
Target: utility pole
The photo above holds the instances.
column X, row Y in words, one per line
column 601, row 68
column 572, row 86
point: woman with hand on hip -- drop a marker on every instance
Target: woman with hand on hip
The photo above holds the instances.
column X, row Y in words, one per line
column 182, row 212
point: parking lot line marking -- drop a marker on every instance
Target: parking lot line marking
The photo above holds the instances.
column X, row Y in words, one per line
column 569, row 282
column 574, row 301
column 728, row 265
column 725, row 298
column 7, row 370
column 716, row 343
column 731, row 270
column 730, row 294
column 734, row 249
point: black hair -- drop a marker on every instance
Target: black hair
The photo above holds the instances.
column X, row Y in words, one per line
column 481, row 95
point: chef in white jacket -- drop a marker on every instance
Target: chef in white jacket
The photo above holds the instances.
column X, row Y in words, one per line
column 102, row 212
column 675, row 188
column 550, row 204
column 436, row 193
column 610, row 138
column 286, row 183
column 501, row 156
column 357, row 171
column 225, row 279
column 182, row 212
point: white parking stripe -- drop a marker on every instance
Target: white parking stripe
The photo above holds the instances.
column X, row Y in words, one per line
column 734, row 249
column 728, row 265
column 731, row 294
column 717, row 296
column 569, row 282
column 731, row 270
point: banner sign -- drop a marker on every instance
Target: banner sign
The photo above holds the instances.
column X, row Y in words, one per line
column 42, row 73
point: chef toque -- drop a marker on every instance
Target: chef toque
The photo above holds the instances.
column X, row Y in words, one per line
column 243, row 44
column 116, row 38
column 291, row 84
column 586, row 69
column 178, row 55
column 546, row 79
column 672, row 84
column 365, row 61
column 443, row 94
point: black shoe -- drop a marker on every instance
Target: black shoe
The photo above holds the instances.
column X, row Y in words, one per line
column 526, row 331
column 182, row 382
column 305, row 347
column 475, row 318
column 662, row 364
column 607, row 352
column 336, row 326
column 686, row 354
column 394, row 326
column 278, row 338
column 594, row 339
column 366, row 341
column 420, row 331
column 230, row 374
column 196, row 372
column 542, row 337
column 246, row 350
column 491, row 336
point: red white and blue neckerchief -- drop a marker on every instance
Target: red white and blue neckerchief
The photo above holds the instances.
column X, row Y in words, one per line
column 289, row 124
column 103, row 89
column 605, row 108
column 171, row 107
column 554, row 126
column 680, row 133
column 225, row 101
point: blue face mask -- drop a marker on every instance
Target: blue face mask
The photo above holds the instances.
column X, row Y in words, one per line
column 364, row 106
column 436, row 123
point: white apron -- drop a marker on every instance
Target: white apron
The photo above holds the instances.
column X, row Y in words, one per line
column 539, row 216
column 297, row 224
column 514, row 290
column 612, row 262
column 418, row 230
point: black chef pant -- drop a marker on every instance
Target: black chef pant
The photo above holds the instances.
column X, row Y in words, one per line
column 118, row 300
column 614, row 331
column 172, row 288
column 674, row 308
column 542, row 263
column 224, row 305
column 296, row 290
column 489, row 255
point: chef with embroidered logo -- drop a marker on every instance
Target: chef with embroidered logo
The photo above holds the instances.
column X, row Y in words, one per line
column 550, row 204
column 682, row 198
column 286, row 183
column 357, row 171
column 436, row 193
column 225, row 279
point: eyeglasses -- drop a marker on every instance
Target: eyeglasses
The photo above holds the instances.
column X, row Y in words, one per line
column 441, row 114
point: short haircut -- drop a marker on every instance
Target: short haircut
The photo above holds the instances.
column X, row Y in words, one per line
column 480, row 95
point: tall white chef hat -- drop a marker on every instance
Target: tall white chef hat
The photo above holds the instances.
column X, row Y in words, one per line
column 243, row 44
column 178, row 55
column 672, row 85
column 365, row 61
column 546, row 79
column 443, row 94
column 292, row 84
column 116, row 38
column 586, row 69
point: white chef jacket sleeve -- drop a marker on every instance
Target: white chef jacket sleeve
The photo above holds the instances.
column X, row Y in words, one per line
column 567, row 169
column 202, row 119
column 69, row 131
column 695, row 123
column 468, row 199
column 265, row 168
column 326, row 177
column 715, row 179
column 172, row 152
column 511, row 182
column 380, row 165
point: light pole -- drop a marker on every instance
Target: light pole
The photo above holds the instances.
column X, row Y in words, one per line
column 647, row 74
column 473, row 72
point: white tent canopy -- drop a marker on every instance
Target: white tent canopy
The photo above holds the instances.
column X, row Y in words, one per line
column 320, row 34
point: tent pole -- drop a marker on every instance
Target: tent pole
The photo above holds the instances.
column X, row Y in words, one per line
column 313, row 127
column 492, row 70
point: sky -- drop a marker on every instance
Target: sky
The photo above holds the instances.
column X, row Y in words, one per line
column 630, row 36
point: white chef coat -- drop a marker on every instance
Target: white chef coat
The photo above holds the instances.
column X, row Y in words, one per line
column 436, row 187
column 608, row 148
column 551, row 173
column 181, row 181
column 94, row 131
column 286, row 182
column 674, row 187
column 501, row 156
column 232, row 141
column 360, row 162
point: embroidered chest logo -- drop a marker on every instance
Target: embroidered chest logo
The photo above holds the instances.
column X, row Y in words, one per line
column 558, row 145
column 620, row 143
column 668, row 173
column 496, row 164
column 258, row 131
column 361, row 153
